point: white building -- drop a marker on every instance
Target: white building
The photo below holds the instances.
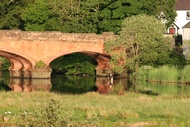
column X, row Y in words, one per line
column 182, row 21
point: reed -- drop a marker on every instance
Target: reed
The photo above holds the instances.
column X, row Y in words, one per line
column 185, row 74
column 159, row 74
column 143, row 73
column 164, row 74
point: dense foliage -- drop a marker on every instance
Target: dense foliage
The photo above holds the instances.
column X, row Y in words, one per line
column 10, row 13
column 36, row 16
column 140, row 42
column 79, row 15
column 164, row 9
column 5, row 63
column 76, row 64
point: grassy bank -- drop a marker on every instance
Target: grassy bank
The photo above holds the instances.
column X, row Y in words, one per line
column 93, row 110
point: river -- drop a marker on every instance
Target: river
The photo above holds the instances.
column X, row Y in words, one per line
column 79, row 85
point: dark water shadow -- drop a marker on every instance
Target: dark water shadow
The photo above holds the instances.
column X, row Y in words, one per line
column 148, row 92
column 4, row 86
column 73, row 84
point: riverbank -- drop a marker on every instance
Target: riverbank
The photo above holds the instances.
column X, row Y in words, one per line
column 93, row 109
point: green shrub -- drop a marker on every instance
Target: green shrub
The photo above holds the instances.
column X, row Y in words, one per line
column 40, row 64
column 5, row 63
column 49, row 117
column 52, row 116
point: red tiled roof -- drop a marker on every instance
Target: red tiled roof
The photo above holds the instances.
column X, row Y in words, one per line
column 182, row 5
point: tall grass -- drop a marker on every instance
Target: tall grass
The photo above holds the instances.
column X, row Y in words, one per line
column 143, row 73
column 164, row 74
column 185, row 74
column 159, row 74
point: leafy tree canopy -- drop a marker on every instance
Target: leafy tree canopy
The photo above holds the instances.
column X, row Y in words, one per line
column 162, row 9
column 79, row 15
column 10, row 11
column 139, row 42
column 36, row 15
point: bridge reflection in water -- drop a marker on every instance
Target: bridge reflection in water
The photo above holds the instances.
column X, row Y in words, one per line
column 80, row 85
column 65, row 84
column 28, row 85
column 102, row 85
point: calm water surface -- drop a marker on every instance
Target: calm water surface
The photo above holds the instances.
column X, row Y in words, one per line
column 79, row 85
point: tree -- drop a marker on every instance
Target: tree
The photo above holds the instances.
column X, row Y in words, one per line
column 10, row 11
column 112, row 13
column 72, row 15
column 162, row 9
column 140, row 41
column 35, row 16
column 79, row 16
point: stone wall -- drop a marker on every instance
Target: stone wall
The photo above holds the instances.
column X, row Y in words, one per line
column 54, row 36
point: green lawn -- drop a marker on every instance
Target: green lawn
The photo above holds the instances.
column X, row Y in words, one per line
column 93, row 110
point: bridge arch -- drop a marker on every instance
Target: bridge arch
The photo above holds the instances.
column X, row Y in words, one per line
column 20, row 66
column 101, row 59
column 18, row 53
column 74, row 50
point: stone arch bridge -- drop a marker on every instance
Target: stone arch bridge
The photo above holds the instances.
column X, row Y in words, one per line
column 25, row 49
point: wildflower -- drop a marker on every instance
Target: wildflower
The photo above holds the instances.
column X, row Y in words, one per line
column 7, row 112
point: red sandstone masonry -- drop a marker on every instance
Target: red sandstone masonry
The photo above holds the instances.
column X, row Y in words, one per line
column 24, row 49
column 54, row 36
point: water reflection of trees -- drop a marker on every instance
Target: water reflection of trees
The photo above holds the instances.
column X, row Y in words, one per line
column 73, row 84
column 66, row 84
column 153, row 88
column 4, row 86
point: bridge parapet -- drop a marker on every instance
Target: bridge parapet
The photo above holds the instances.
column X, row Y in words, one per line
column 54, row 36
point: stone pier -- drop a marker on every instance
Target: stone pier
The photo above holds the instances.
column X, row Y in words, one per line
column 41, row 74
